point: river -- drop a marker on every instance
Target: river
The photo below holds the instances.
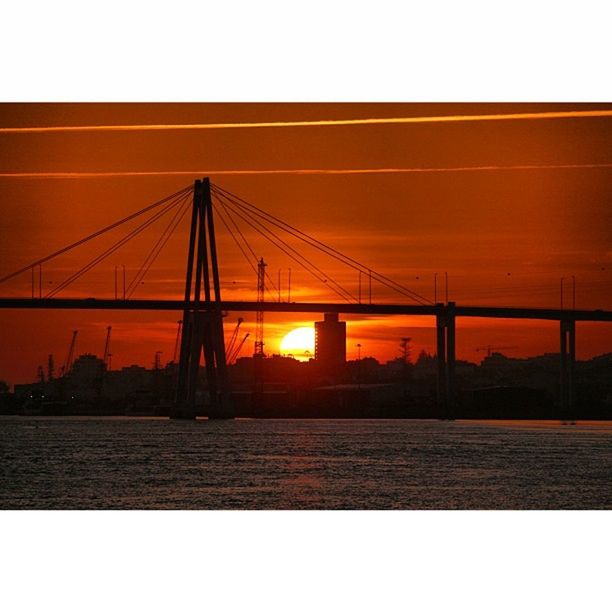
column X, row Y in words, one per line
column 148, row 463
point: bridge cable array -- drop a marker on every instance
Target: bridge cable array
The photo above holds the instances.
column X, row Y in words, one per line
column 163, row 206
column 110, row 250
column 181, row 210
column 257, row 218
column 282, row 245
column 232, row 210
column 241, row 248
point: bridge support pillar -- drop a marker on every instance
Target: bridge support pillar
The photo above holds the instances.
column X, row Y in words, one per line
column 567, row 358
column 441, row 359
column 203, row 325
column 445, row 352
column 450, row 360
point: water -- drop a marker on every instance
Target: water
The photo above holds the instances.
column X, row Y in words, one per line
column 125, row 463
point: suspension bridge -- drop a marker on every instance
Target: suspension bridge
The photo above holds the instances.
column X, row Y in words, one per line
column 203, row 308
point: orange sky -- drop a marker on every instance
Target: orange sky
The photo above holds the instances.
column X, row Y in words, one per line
column 505, row 237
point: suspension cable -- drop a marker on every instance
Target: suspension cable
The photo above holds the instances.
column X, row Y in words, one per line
column 291, row 252
column 330, row 251
column 339, row 289
column 153, row 254
column 251, row 213
column 94, row 262
column 295, row 255
column 229, row 229
column 65, row 249
column 246, row 242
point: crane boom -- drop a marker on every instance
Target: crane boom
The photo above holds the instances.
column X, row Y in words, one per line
column 107, row 347
column 70, row 356
column 178, row 340
column 238, row 349
column 232, row 341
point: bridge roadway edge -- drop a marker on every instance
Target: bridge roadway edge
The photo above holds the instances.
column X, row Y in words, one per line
column 497, row 312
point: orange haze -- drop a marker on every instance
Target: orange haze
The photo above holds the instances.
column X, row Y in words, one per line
column 506, row 207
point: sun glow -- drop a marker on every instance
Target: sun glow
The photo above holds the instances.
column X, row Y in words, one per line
column 299, row 342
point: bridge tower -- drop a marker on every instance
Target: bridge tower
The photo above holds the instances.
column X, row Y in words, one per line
column 445, row 343
column 567, row 354
column 202, row 329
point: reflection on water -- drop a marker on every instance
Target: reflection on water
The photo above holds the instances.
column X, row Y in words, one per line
column 76, row 463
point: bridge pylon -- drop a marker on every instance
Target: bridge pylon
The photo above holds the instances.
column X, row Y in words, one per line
column 202, row 330
column 567, row 355
column 445, row 357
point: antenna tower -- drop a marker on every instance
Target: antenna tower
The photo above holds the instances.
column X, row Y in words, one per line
column 259, row 329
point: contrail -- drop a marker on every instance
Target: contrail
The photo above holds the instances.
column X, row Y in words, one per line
column 317, row 123
column 295, row 171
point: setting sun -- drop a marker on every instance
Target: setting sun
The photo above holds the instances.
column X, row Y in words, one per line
column 299, row 342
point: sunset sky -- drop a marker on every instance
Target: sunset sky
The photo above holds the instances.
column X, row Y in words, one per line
column 506, row 207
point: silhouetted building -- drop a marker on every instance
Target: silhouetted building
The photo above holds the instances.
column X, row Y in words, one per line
column 85, row 378
column 330, row 340
column 86, row 369
column 328, row 386
column 120, row 384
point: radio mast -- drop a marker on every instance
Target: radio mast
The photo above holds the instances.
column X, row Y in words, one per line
column 259, row 328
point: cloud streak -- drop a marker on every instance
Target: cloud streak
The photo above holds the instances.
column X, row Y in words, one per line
column 297, row 171
column 571, row 114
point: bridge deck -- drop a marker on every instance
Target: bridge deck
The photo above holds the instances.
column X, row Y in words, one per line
column 497, row 312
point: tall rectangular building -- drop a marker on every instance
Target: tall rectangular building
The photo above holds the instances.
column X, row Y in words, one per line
column 330, row 340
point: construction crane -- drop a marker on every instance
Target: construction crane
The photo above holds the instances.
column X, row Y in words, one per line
column 50, row 368
column 490, row 348
column 237, row 350
column 107, row 354
column 177, row 341
column 259, row 328
column 69, row 358
column 230, row 345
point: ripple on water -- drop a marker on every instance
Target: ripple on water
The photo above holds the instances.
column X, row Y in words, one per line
column 302, row 464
